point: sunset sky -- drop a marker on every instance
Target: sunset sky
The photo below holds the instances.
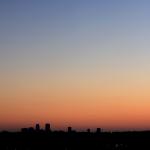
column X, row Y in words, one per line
column 79, row 63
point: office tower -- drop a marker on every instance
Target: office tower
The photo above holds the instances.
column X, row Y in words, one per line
column 98, row 130
column 37, row 127
column 69, row 129
column 88, row 130
column 47, row 127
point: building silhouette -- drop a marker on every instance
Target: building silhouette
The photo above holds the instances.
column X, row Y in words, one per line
column 24, row 129
column 37, row 127
column 31, row 129
column 88, row 130
column 47, row 127
column 98, row 130
column 30, row 139
column 69, row 129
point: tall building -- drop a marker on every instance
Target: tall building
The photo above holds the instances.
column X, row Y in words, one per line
column 88, row 130
column 98, row 130
column 37, row 127
column 47, row 127
column 69, row 129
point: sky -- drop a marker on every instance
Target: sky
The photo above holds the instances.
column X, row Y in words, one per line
column 79, row 63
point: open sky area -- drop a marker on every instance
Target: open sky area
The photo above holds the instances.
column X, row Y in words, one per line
column 79, row 63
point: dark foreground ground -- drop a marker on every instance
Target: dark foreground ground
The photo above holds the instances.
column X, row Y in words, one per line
column 74, row 141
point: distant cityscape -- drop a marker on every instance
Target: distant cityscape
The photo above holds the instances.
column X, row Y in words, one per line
column 37, row 138
column 37, row 128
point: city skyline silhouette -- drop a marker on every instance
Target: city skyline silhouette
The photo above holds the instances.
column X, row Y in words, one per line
column 37, row 138
column 76, row 73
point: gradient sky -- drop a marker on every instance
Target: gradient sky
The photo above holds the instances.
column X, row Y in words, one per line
column 79, row 63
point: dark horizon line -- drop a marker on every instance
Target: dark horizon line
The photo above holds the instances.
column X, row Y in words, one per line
column 69, row 129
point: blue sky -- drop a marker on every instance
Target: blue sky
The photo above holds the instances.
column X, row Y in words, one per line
column 74, row 28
